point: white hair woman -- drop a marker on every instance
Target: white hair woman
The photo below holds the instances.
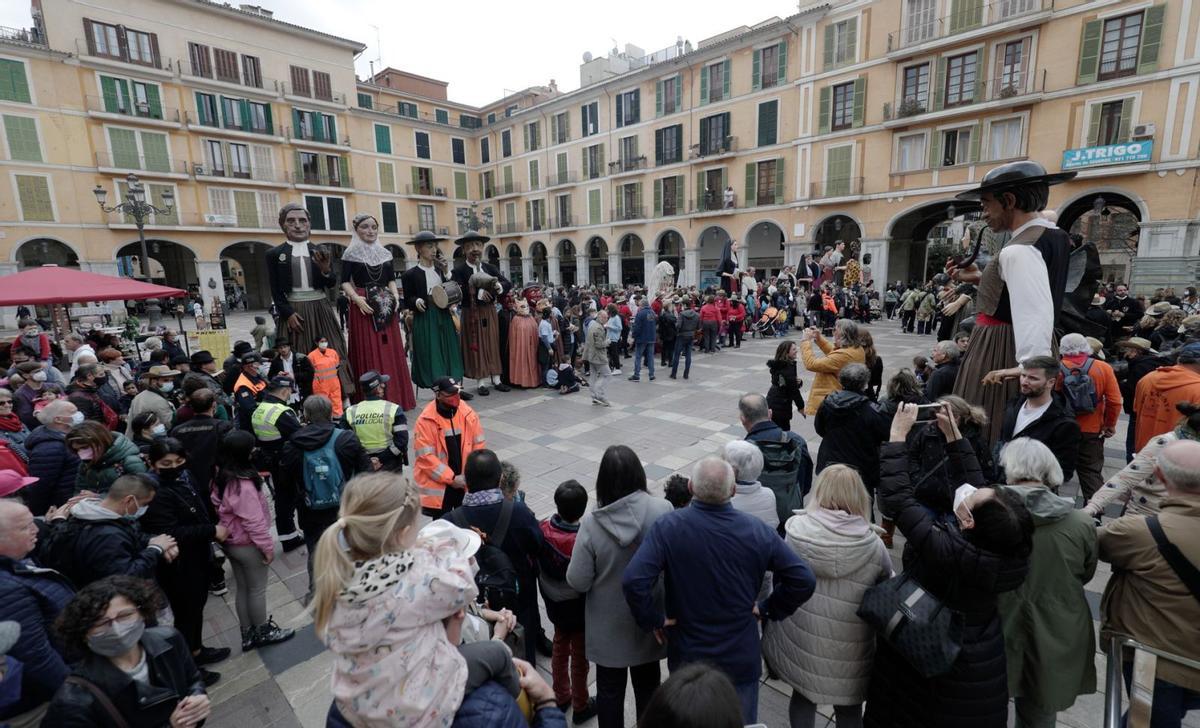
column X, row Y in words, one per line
column 824, row 651
column 1048, row 633
column 749, row 495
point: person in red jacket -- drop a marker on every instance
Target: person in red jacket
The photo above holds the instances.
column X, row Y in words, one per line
column 722, row 302
column 735, row 317
column 710, row 323
column 626, row 315
column 32, row 338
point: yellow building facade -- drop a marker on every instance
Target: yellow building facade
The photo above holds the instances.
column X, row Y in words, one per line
column 855, row 121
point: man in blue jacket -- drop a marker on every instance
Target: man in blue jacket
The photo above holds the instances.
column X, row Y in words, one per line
column 713, row 560
column 645, row 327
column 33, row 597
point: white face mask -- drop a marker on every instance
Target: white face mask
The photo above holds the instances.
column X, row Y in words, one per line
column 38, row 376
column 964, row 491
column 264, row 369
column 158, row 430
column 77, row 418
column 322, row 346
column 166, row 386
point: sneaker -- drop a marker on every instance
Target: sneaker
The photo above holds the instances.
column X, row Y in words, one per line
column 248, row 639
column 582, row 716
column 209, row 655
column 672, row 376
column 635, row 378
column 605, row 403
column 209, row 677
column 652, row 377
column 270, row 633
column 595, row 401
column 218, row 588
column 291, row 542
column 617, row 372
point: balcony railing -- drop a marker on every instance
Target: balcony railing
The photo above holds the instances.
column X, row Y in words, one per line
column 333, row 98
column 322, row 179
column 414, row 229
column 141, row 163
column 262, row 219
column 160, row 62
column 628, row 213
column 26, row 36
column 311, row 135
column 669, row 210
column 126, row 107
column 836, row 187
column 564, row 178
column 1006, row 86
column 508, row 188
column 507, row 228
column 228, row 172
column 425, row 189
column 536, row 224
column 712, row 203
column 961, row 20
column 724, row 145
column 562, row 221
column 246, row 126
column 627, row 165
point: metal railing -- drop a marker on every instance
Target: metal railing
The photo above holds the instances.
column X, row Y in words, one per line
column 713, row 203
column 394, row 110
column 254, row 173
column 288, row 90
column 127, row 107
column 310, row 135
column 564, row 178
column 440, row 230
column 1005, row 86
column 707, row 148
column 1114, row 675
column 628, row 213
column 836, row 187
column 562, row 221
column 961, row 20
column 27, row 36
column 141, row 163
column 194, row 119
column 627, row 165
column 507, row 228
column 426, row 189
column 322, row 179
column 508, row 188
column 668, row 210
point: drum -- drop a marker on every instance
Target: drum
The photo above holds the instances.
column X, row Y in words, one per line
column 446, row 295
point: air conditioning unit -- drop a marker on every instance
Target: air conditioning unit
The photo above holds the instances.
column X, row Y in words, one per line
column 199, row 170
column 1144, row 131
column 211, row 218
column 440, row 191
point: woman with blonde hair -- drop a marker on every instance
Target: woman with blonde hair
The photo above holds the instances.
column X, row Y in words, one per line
column 824, row 651
column 381, row 592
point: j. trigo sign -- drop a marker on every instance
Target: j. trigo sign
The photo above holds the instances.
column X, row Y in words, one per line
column 1110, row 154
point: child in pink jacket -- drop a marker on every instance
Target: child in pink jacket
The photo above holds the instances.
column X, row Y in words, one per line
column 241, row 505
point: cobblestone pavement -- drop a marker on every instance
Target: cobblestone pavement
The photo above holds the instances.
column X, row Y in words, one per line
column 551, row 438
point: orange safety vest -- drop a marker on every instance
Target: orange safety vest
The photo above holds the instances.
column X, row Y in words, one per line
column 432, row 470
column 325, row 376
column 248, row 383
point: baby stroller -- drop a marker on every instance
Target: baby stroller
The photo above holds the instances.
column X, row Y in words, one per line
column 771, row 317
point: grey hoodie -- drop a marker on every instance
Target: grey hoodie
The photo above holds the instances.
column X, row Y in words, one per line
column 689, row 321
column 608, row 538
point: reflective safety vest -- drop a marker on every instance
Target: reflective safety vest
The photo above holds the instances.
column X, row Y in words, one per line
column 325, row 376
column 432, row 469
column 372, row 420
column 255, row 386
column 264, row 421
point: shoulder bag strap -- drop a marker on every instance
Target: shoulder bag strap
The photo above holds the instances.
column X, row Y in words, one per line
column 1184, row 569
column 496, row 537
column 101, row 698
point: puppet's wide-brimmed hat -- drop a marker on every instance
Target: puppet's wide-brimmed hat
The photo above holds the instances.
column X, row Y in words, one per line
column 1014, row 174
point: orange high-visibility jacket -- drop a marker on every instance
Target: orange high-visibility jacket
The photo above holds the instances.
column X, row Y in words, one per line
column 325, row 376
column 431, row 470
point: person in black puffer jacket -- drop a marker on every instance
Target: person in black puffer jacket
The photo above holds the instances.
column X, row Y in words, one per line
column 965, row 565
column 851, row 427
column 50, row 460
column 934, row 472
column 785, row 385
column 667, row 326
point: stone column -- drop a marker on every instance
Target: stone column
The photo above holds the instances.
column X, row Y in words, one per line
column 614, row 269
column 690, row 275
column 526, row 270
column 649, row 260
column 879, row 261
column 505, row 268
column 210, row 270
column 553, row 270
column 583, row 272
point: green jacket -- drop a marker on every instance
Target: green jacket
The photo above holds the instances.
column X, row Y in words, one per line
column 123, row 457
column 1049, row 638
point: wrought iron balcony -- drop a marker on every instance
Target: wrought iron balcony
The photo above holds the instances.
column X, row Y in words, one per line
column 962, row 19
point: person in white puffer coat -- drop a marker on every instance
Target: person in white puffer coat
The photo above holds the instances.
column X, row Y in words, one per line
column 824, row 651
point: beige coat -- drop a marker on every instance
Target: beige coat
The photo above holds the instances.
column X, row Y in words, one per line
column 826, row 369
column 1145, row 599
column 595, row 345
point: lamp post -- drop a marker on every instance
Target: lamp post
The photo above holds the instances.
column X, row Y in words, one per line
column 469, row 220
column 136, row 206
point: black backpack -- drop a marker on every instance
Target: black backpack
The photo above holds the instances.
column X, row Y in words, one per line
column 496, row 578
column 1078, row 388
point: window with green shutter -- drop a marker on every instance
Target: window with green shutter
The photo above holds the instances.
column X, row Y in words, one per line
column 768, row 123
column 383, row 139
column 460, row 185
column 441, row 116
column 114, row 92
column 34, row 194
column 159, row 200
column 14, row 85
column 206, row 109
column 390, row 219
column 387, row 177
column 560, row 163
column 751, row 184
column 838, row 163
column 1152, row 30
column 594, row 207
column 365, row 101
column 965, row 15
column 841, row 43
column 245, row 206
column 1109, row 122
column 534, row 173
column 154, row 152
column 21, row 133
column 123, row 143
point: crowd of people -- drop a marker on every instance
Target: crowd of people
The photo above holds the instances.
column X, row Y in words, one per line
column 130, row 493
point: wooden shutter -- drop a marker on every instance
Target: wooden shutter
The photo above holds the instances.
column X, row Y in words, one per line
column 586, row 171
column 300, row 81
column 679, row 92
column 1126, row 119
column 1089, row 51
column 387, row 177
column 860, row 100
column 322, row 88
column 482, row 191
column 252, row 72
column 935, row 149
column 782, row 53
column 976, row 141
column 90, row 35
column 554, row 129
column 704, row 73
column 13, row 84
column 658, row 195
column 658, row 146
column 416, row 181
column 508, row 178
column 560, row 163
column 852, row 40
column 594, row 215
column 156, row 59
column 977, row 95
column 637, row 105
column 756, row 71
column 965, row 14
column 383, row 139
column 270, row 123
column 620, row 108
column 823, row 113
column 679, row 209
column 113, row 101
column 460, row 185
column 779, row 181
column 525, row 131
column 658, row 98
column 830, row 33
column 637, row 199
column 21, row 133
column 600, row 158
column 699, row 192
column 767, row 122
column 1152, row 29
column 34, row 193
column 154, row 149
column 725, row 79
column 751, row 184
column 938, row 95
column 535, row 171
column 154, row 102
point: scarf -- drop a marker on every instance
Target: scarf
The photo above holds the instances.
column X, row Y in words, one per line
column 10, row 423
column 366, row 253
column 33, row 342
column 483, row 498
column 374, row 577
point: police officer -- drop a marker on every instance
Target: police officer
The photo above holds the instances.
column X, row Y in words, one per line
column 249, row 385
column 273, row 422
column 380, row 425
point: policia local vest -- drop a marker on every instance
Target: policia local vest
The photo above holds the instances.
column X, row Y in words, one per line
column 372, row 421
column 265, row 421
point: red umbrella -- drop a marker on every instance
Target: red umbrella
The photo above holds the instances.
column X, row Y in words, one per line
column 51, row 284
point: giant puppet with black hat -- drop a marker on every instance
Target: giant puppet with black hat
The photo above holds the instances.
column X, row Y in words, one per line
column 1020, row 289
column 428, row 295
column 481, row 284
column 300, row 273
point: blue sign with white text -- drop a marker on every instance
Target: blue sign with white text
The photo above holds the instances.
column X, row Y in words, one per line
column 1126, row 153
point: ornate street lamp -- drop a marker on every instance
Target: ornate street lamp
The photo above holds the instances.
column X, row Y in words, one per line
column 136, row 207
column 469, row 220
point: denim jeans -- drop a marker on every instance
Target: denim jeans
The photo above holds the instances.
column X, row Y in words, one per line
column 683, row 345
column 643, row 352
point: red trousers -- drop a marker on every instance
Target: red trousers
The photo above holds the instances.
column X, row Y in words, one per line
column 569, row 686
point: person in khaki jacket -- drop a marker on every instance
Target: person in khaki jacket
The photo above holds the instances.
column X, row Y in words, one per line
column 595, row 353
column 1146, row 598
column 844, row 350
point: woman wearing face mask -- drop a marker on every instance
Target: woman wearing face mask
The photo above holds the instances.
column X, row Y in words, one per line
column 178, row 510
column 114, row 364
column 12, row 430
column 369, row 282
column 156, row 397
column 143, row 673
column 32, row 338
column 147, row 429
column 103, row 456
column 966, row 565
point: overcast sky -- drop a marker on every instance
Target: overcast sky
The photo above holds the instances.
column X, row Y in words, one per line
column 486, row 49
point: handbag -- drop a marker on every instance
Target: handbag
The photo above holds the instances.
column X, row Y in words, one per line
column 926, row 632
column 101, row 698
